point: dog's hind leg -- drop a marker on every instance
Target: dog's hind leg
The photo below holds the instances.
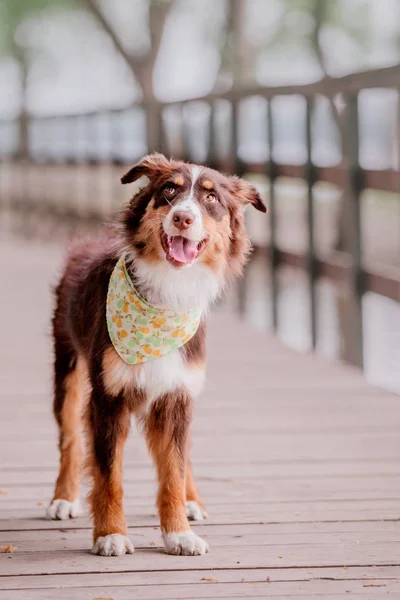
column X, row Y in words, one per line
column 195, row 509
column 70, row 386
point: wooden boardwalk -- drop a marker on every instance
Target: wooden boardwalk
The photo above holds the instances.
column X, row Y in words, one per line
column 297, row 460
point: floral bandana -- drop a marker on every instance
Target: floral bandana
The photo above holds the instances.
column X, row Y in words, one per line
column 139, row 331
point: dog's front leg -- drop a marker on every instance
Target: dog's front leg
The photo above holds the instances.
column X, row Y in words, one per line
column 108, row 422
column 167, row 430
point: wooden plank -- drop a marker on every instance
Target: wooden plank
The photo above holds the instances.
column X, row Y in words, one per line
column 223, row 557
column 220, row 472
column 309, row 512
column 239, row 491
column 238, row 536
column 195, row 577
column 361, row 446
column 292, row 532
column 333, row 590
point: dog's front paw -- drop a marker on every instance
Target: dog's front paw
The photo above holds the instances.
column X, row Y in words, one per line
column 64, row 509
column 114, row 544
column 186, row 543
column 194, row 512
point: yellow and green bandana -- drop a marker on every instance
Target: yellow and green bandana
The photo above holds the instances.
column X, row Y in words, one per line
column 139, row 331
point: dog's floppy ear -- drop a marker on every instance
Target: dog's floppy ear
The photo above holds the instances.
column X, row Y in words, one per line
column 148, row 166
column 245, row 193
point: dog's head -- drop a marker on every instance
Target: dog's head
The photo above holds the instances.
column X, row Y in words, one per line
column 189, row 214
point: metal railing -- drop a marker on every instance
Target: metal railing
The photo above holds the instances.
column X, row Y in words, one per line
column 85, row 135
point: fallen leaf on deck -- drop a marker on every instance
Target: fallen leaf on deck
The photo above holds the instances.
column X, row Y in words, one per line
column 153, row 543
column 41, row 503
column 103, row 598
column 3, row 492
column 214, row 579
column 9, row 548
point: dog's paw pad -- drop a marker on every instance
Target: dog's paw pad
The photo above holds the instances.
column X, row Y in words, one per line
column 194, row 512
column 64, row 509
column 114, row 544
column 186, row 543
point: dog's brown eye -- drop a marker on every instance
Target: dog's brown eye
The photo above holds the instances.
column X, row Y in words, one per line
column 169, row 191
column 211, row 197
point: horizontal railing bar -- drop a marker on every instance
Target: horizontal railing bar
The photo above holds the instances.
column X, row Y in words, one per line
column 378, row 279
column 328, row 86
column 386, row 77
column 387, row 180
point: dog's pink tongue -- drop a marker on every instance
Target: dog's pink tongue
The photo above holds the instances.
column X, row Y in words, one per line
column 182, row 250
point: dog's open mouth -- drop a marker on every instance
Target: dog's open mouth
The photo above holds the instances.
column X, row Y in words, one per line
column 180, row 250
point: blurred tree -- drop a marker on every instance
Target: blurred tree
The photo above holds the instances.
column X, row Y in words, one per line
column 142, row 64
column 13, row 44
column 237, row 52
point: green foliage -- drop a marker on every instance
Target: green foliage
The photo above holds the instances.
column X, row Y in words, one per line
column 330, row 13
column 14, row 12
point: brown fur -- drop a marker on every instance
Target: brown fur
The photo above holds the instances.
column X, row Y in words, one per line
column 167, row 436
column 106, row 497
column 71, row 450
column 87, row 367
column 192, row 493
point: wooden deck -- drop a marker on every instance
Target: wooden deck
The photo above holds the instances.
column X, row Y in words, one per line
column 296, row 458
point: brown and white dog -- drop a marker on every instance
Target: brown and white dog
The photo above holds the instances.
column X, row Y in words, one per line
column 184, row 236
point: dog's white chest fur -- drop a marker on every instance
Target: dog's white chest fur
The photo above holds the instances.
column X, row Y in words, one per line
column 155, row 378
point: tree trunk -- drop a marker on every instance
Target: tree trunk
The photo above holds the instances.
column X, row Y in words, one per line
column 152, row 111
column 23, row 118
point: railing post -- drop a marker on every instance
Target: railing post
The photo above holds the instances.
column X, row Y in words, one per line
column 185, row 133
column 152, row 109
column 235, row 165
column 310, row 177
column 353, row 330
column 162, row 133
column 211, row 150
column 236, row 169
column 273, row 251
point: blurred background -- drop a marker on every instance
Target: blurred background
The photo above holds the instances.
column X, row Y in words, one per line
column 300, row 96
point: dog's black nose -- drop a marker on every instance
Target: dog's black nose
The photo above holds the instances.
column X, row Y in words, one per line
column 183, row 219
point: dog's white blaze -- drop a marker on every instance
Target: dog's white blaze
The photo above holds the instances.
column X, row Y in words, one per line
column 196, row 170
column 196, row 230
